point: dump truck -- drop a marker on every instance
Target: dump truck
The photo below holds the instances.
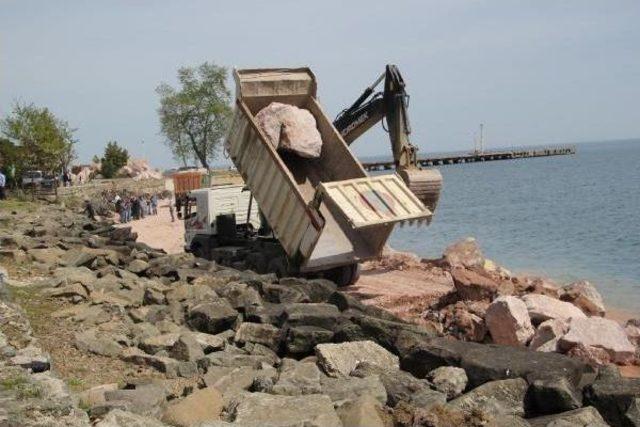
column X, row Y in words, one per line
column 326, row 215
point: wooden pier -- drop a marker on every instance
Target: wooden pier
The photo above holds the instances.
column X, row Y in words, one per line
column 486, row 156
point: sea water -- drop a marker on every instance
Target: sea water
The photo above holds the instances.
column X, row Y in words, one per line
column 566, row 217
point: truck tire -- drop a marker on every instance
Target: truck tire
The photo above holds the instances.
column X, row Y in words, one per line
column 344, row 275
column 279, row 266
column 197, row 250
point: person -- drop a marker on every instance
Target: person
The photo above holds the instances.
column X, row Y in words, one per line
column 135, row 207
column 143, row 206
column 3, row 183
column 154, row 204
column 90, row 211
column 172, row 202
column 66, row 179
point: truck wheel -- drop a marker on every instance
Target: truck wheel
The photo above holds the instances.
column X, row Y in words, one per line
column 345, row 275
column 257, row 262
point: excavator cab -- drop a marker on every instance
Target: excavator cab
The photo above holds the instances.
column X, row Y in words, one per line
column 392, row 105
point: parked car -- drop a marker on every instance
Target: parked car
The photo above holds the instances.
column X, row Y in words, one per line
column 32, row 178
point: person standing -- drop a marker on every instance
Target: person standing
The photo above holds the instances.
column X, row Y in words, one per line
column 172, row 202
column 154, row 204
column 3, row 183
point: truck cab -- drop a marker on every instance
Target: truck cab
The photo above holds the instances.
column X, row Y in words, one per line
column 215, row 216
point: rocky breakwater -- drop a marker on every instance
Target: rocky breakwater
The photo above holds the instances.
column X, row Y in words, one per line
column 205, row 345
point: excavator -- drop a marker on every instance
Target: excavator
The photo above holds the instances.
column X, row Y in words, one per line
column 391, row 105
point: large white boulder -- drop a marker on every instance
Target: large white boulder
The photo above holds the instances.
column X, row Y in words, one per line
column 340, row 359
column 290, row 128
column 542, row 307
column 600, row 333
column 508, row 321
column 548, row 334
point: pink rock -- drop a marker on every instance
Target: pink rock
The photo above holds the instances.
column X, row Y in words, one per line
column 509, row 322
column 600, row 333
column 584, row 295
column 542, row 307
column 465, row 253
column 593, row 356
column 290, row 128
column 633, row 331
column 549, row 330
column 472, row 286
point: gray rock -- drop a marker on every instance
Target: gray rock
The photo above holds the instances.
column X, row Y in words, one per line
column 297, row 378
column 165, row 365
column 209, row 342
column 120, row 418
column 583, row 417
column 342, row 390
column 97, row 342
column 145, row 400
column 615, row 397
column 266, row 410
column 138, row 266
column 267, row 335
column 364, row 411
column 449, row 380
column 321, row 315
column 212, row 317
column 496, row 397
column 301, row 340
column 154, row 344
column 341, row 359
column 399, row 385
column 554, row 395
column 31, row 358
column 427, row 398
column 186, row 348
column 238, row 379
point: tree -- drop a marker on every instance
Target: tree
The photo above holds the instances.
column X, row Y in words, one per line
column 195, row 117
column 114, row 158
column 44, row 142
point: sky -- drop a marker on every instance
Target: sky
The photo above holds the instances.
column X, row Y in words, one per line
column 534, row 72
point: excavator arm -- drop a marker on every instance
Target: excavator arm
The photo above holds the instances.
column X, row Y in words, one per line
column 392, row 104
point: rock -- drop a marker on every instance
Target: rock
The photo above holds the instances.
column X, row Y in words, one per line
column 95, row 395
column 632, row 328
column 301, row 340
column 78, row 257
column 312, row 314
column 186, row 348
column 318, row 290
column 394, row 336
column 297, row 378
column 68, row 291
column 290, row 128
column 594, row 356
column 340, row 359
column 542, row 307
column 153, row 296
column 585, row 296
column 583, row 417
column 166, row 365
column 362, row 412
column 31, row 358
column 506, row 397
column 154, row 344
column 342, row 390
column 120, row 418
column 260, row 409
column 600, row 333
column 212, row 317
column 465, row 253
column 97, row 342
column 615, row 397
column 549, row 330
column 508, row 321
column 200, row 406
column 145, row 400
column 473, row 286
column 449, row 380
column 554, row 395
column 209, row 342
column 267, row 335
column 462, row 322
column 138, row 266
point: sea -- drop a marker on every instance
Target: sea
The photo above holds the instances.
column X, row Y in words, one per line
column 566, row 217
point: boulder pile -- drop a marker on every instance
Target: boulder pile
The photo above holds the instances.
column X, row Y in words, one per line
column 230, row 347
column 490, row 305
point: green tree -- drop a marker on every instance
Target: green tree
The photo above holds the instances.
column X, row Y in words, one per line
column 114, row 158
column 44, row 141
column 194, row 118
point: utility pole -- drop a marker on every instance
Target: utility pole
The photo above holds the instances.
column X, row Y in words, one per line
column 481, row 138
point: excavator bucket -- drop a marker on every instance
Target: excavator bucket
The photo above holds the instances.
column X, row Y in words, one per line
column 424, row 183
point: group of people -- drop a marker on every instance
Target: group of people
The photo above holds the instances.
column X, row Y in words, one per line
column 136, row 207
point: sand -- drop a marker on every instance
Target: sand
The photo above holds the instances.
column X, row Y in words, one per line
column 158, row 231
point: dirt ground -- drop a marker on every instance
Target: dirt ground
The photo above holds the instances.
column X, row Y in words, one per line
column 158, row 231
